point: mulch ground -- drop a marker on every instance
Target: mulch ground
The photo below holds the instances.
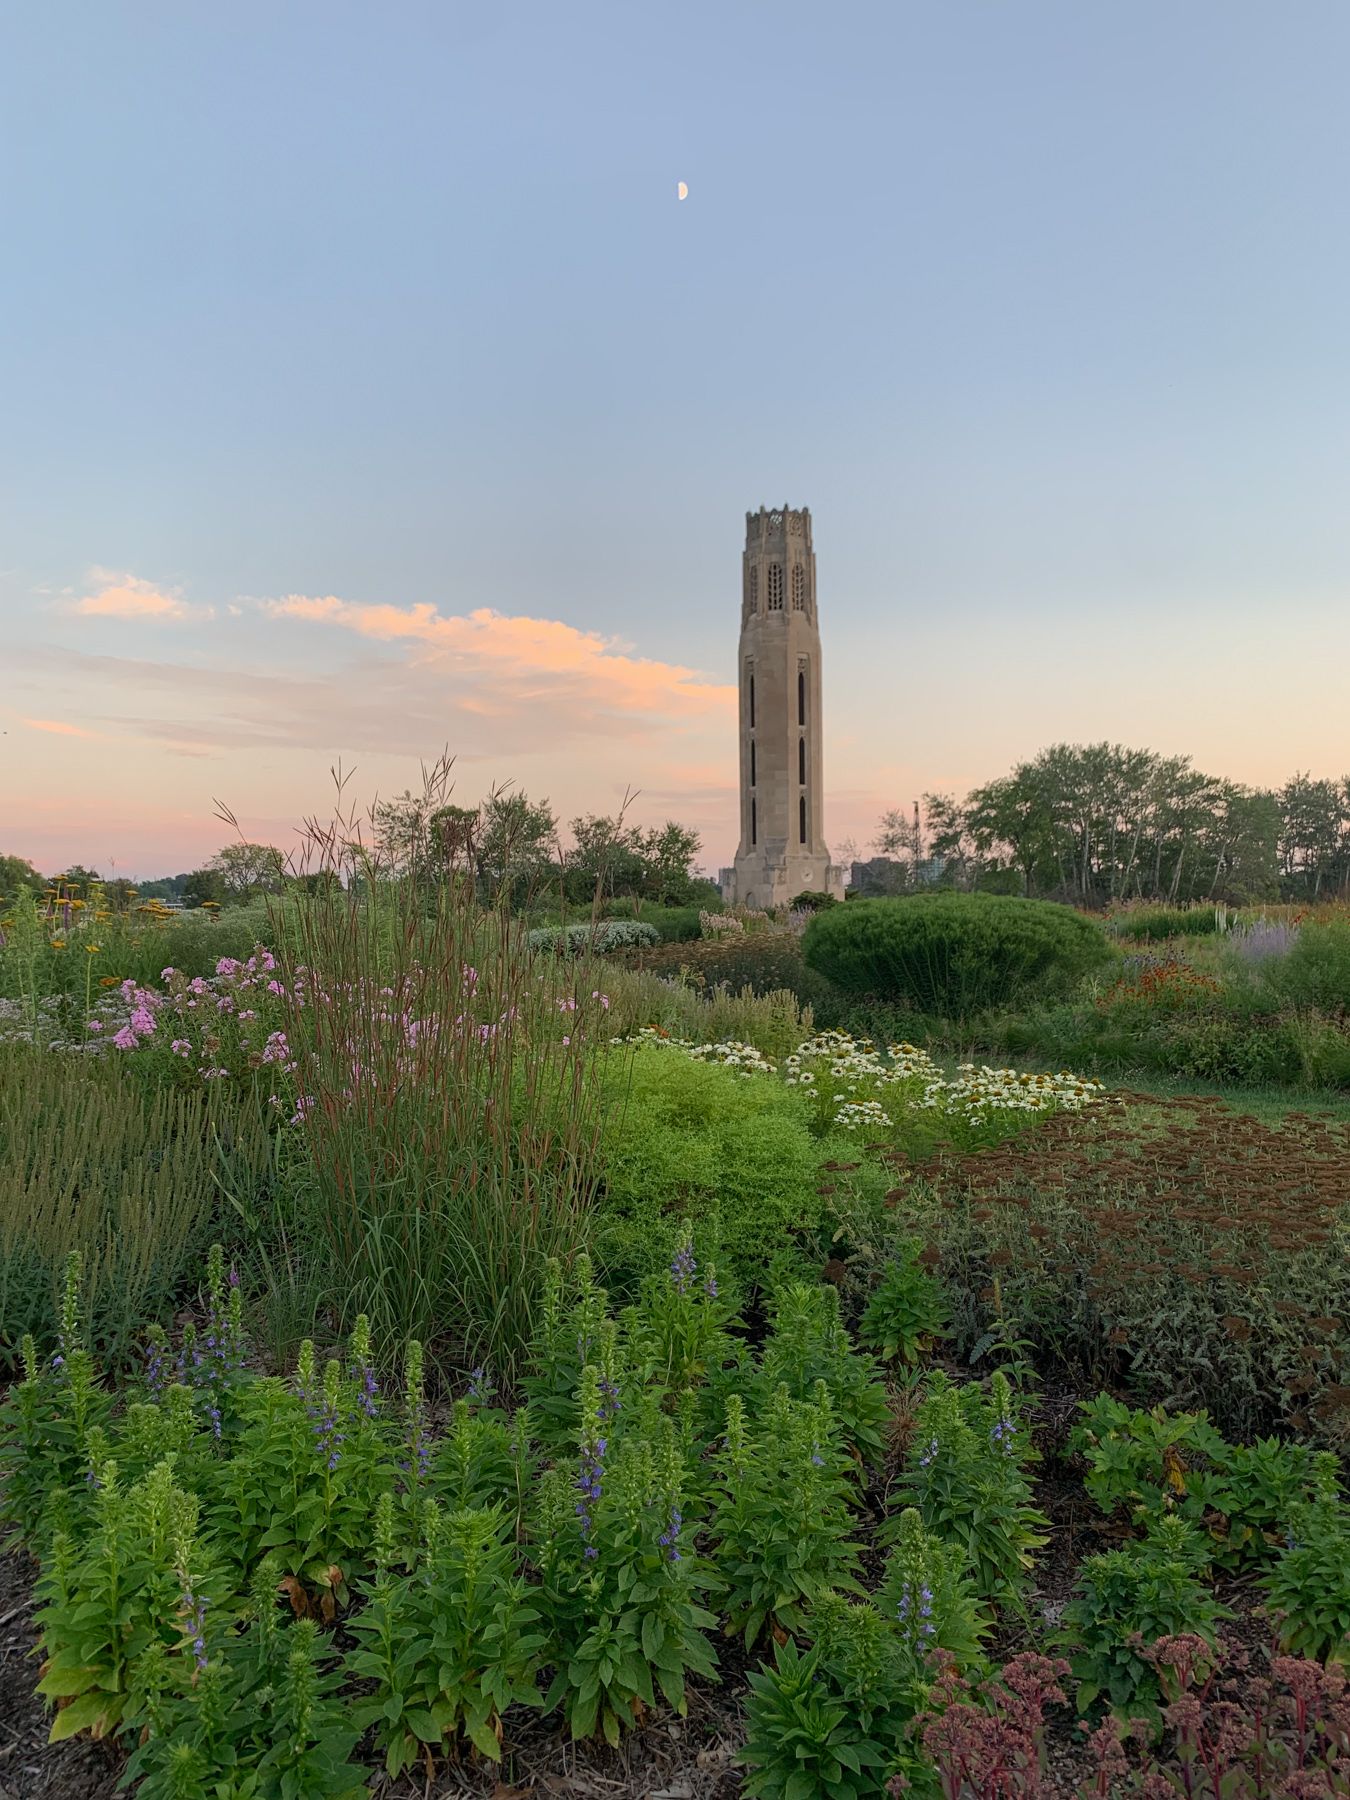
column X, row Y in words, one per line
column 30, row 1768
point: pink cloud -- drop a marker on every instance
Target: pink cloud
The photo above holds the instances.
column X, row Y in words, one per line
column 128, row 597
column 526, row 659
column 61, row 726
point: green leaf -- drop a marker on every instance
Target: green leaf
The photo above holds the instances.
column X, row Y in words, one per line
column 99, row 1708
column 484, row 1738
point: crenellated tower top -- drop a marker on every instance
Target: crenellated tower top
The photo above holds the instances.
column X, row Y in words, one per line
column 778, row 573
column 773, row 527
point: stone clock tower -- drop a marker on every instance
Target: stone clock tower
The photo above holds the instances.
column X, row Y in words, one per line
column 782, row 849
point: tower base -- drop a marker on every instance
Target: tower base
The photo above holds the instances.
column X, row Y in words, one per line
column 768, row 878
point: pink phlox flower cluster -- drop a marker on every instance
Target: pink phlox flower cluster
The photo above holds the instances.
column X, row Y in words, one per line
column 144, row 1003
column 276, row 1049
column 181, row 1047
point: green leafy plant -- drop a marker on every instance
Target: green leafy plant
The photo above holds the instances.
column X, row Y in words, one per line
column 311, row 1464
column 1308, row 1589
column 821, row 1724
column 106, row 1596
column 1147, row 1463
column 451, row 1645
column 574, row 1330
column 1140, row 1460
column 907, row 1312
column 966, row 1476
column 681, row 1322
column 953, row 954
column 808, row 1345
column 620, row 1583
column 1126, row 1599
column 781, row 1520
column 928, row 1593
column 48, row 1420
column 603, row 935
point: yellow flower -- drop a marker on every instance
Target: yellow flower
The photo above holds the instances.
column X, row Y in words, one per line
column 107, row 981
column 58, row 943
column 92, row 949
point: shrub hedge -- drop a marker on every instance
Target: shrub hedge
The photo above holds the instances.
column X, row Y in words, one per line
column 606, row 934
column 953, row 954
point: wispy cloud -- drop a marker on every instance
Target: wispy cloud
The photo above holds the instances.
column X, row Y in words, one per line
column 125, row 596
column 503, row 663
column 62, row 727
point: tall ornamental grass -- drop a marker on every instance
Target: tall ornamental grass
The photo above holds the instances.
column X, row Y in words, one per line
column 445, row 1108
column 95, row 1163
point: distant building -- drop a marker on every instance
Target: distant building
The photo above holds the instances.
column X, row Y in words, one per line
column 883, row 875
column 782, row 849
column 877, row 877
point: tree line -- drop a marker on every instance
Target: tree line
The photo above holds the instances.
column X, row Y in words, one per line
column 510, row 846
column 1097, row 824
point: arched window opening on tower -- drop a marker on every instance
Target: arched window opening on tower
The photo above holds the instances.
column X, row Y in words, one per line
column 801, row 761
column 801, row 696
column 801, row 818
column 752, row 762
column 754, row 588
column 754, row 824
column 798, row 588
column 752, row 700
column 775, row 587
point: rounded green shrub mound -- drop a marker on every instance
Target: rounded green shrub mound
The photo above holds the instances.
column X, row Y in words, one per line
column 605, row 934
column 953, row 954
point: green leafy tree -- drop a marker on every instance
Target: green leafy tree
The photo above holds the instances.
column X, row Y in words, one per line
column 246, row 870
column 203, row 887
column 516, row 846
column 17, row 872
column 667, row 852
column 77, row 880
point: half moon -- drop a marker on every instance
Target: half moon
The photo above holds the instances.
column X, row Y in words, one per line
column 682, row 190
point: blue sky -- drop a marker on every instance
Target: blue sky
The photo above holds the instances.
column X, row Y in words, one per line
column 1041, row 308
